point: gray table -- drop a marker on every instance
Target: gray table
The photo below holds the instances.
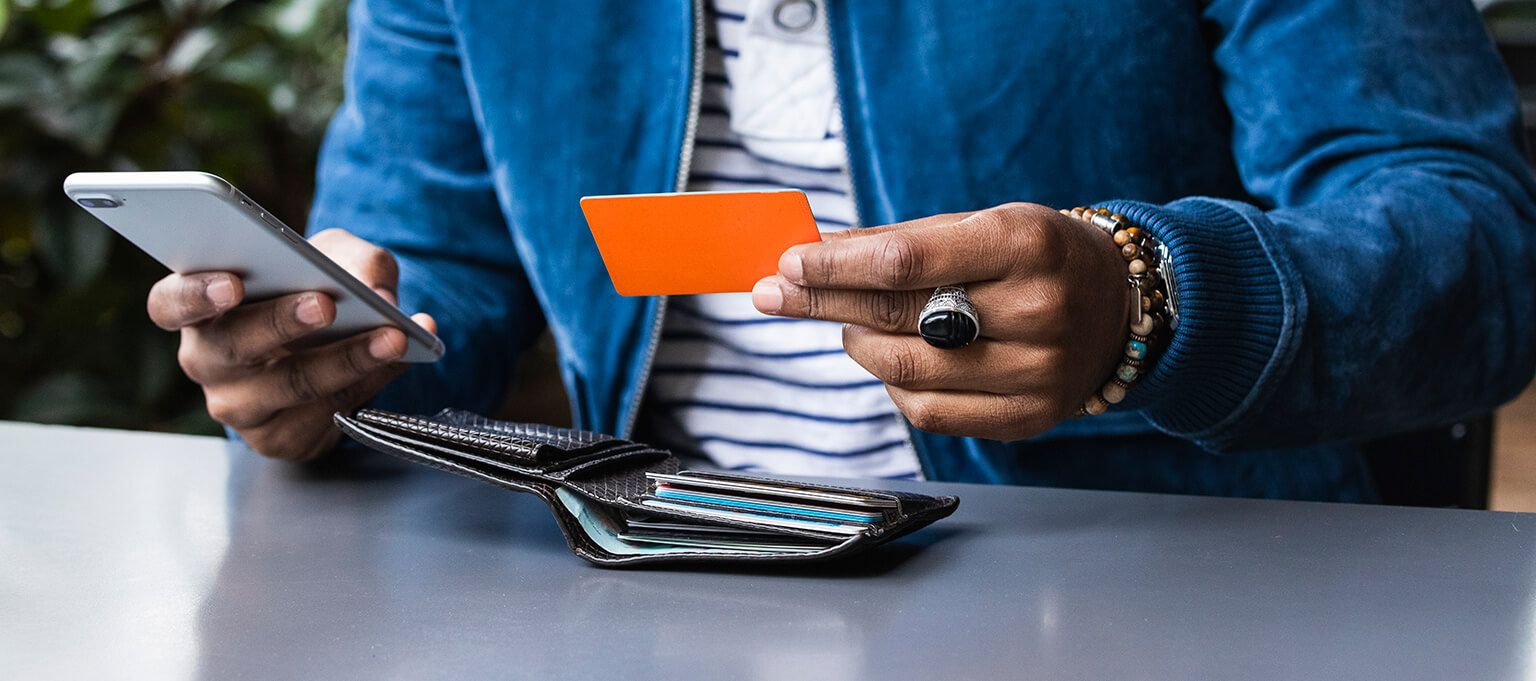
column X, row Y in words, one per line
column 164, row 557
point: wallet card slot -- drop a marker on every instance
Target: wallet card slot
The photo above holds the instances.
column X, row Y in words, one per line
column 890, row 514
column 636, row 507
column 603, row 530
column 631, row 453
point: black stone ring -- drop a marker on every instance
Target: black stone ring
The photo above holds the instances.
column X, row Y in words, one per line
column 949, row 319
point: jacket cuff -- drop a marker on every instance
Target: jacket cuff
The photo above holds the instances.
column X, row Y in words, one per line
column 1241, row 311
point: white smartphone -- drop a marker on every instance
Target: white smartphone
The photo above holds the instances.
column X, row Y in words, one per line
column 197, row 222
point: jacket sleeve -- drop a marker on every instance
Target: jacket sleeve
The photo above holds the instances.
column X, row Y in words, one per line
column 403, row 167
column 1381, row 278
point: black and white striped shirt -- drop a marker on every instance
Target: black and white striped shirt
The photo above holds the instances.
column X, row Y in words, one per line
column 749, row 391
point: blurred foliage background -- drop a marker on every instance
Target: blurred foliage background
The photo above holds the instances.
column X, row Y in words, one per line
column 239, row 88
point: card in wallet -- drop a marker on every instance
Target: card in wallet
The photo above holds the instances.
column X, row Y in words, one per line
column 624, row 503
column 696, row 242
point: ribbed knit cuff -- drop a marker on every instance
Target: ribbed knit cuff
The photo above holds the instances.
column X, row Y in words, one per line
column 1241, row 310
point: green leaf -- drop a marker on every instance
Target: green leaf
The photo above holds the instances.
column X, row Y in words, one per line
column 25, row 79
column 189, row 52
column 296, row 17
column 63, row 16
column 97, row 91
column 72, row 244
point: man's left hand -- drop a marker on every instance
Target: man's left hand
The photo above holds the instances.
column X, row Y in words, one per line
column 1050, row 292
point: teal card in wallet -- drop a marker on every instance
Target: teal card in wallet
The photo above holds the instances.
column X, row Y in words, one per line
column 622, row 503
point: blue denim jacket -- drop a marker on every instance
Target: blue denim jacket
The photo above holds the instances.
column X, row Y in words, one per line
column 1348, row 212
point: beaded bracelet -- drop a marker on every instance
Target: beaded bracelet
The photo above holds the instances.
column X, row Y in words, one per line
column 1149, row 303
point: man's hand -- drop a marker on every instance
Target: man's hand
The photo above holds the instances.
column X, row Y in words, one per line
column 280, row 401
column 1050, row 291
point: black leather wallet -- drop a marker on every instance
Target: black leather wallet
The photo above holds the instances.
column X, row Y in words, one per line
column 624, row 503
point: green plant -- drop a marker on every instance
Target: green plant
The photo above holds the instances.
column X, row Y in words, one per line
column 239, row 88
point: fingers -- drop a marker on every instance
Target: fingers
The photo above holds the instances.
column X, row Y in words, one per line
column 293, row 430
column 889, row 311
column 1008, row 312
column 303, row 432
column 982, row 246
column 254, row 333
column 983, row 415
column 372, row 265
column 909, row 362
column 927, row 221
column 179, row 301
column 303, row 378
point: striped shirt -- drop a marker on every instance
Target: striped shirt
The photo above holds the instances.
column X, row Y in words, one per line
column 741, row 389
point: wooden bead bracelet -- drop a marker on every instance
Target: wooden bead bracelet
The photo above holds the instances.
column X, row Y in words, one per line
column 1149, row 303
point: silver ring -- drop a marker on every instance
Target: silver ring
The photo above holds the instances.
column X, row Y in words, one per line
column 949, row 319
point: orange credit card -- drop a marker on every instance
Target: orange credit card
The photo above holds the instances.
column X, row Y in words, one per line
column 696, row 242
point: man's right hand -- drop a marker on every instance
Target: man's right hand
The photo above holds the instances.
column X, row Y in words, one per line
column 281, row 401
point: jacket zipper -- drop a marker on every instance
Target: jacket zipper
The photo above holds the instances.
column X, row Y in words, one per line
column 680, row 183
column 853, row 196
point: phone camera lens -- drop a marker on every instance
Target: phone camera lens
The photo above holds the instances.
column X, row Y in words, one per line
column 98, row 202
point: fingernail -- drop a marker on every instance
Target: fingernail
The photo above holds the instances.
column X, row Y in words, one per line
column 309, row 313
column 791, row 267
column 767, row 297
column 220, row 292
column 382, row 347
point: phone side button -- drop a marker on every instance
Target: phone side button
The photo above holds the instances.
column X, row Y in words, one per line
column 272, row 222
column 281, row 228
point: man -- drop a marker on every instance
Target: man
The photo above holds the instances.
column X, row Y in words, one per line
column 1346, row 214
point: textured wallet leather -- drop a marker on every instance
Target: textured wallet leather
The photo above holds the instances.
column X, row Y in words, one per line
column 596, row 485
